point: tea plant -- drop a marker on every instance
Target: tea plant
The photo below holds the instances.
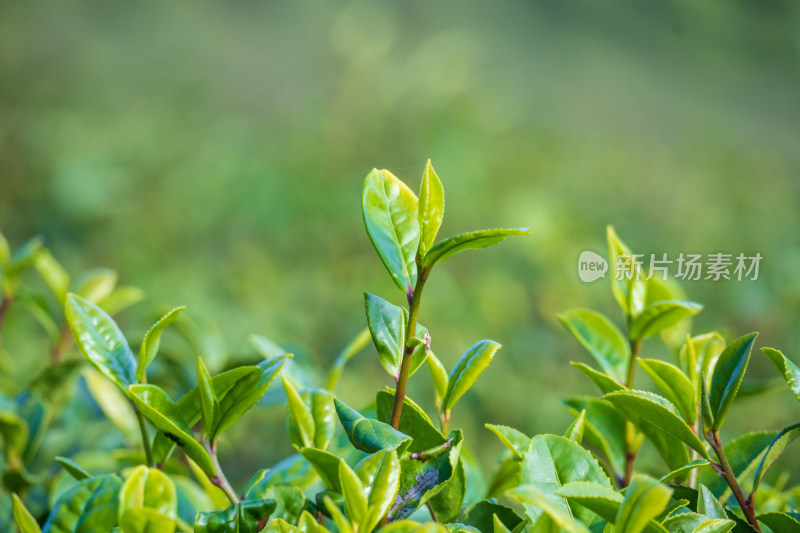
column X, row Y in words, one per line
column 391, row 466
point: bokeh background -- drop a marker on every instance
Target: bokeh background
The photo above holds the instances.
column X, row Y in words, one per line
column 214, row 155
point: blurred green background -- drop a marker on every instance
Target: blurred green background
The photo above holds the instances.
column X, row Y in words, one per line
column 214, row 156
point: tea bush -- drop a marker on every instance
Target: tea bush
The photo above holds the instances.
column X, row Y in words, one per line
column 389, row 465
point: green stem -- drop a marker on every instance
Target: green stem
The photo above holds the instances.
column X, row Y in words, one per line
column 445, row 418
column 630, row 433
column 64, row 341
column 148, row 452
column 405, row 365
column 219, row 478
column 727, row 473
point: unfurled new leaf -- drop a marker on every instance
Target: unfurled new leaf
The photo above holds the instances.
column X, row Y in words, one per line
column 431, row 208
column 152, row 341
column 630, row 288
column 674, row 385
column 467, row 369
column 25, row 521
column 472, row 240
column 209, row 403
column 310, row 416
column 789, row 371
column 390, row 211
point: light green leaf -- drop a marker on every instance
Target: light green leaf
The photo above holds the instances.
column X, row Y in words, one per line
column 162, row 412
column 472, row 240
column 209, row 403
column 657, row 410
column 101, row 341
column 244, row 517
column 513, row 439
column 708, row 505
column 14, row 431
column 575, row 430
column 601, row 338
column 25, row 521
column 342, row 524
column 645, row 498
column 326, row 465
column 358, row 343
column 145, row 520
column 552, row 461
column 604, row 382
column 467, row 369
column 90, row 505
column 674, row 385
column 438, row 376
column 539, row 502
column 661, row 315
column 95, row 284
column 245, row 393
column 787, row 436
column 680, row 472
column 603, row 428
column 789, row 370
column 299, row 419
column 120, row 299
column 431, row 208
column 152, row 341
column 73, row 468
column 380, row 476
column 310, row 416
column 367, row 434
column 150, row 488
column 387, row 325
column 114, row 404
column 390, row 211
column 728, row 374
column 52, row 273
column 629, row 293
column 308, row 524
column 353, row 492
column 601, row 499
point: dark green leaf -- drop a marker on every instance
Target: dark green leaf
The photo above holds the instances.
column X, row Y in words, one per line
column 387, row 325
column 472, row 240
column 481, row 515
column 601, row 338
column 467, row 369
column 390, row 211
column 728, row 374
column 74, row 469
column 603, row 428
column 367, row 434
column 708, row 505
column 781, row 522
column 244, row 517
column 326, row 465
column 680, row 472
column 744, row 455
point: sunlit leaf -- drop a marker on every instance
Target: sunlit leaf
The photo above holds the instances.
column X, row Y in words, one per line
column 728, row 374
column 601, row 338
column 431, row 208
column 467, row 369
column 472, row 240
